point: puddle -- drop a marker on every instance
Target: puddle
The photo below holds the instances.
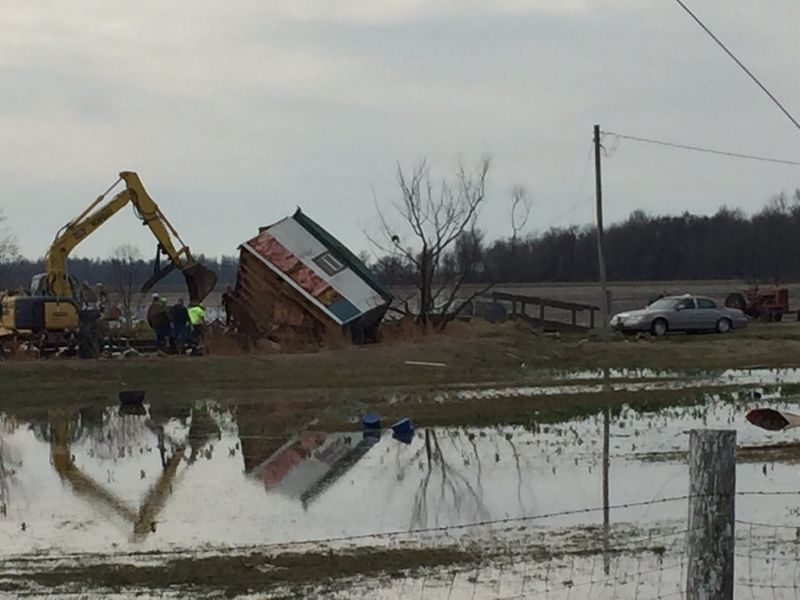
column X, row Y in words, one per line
column 638, row 380
column 749, row 376
column 208, row 480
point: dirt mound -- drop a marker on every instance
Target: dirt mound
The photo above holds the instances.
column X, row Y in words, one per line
column 400, row 331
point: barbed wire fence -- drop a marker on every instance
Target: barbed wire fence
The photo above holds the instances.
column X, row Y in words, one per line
column 639, row 566
column 537, row 557
column 525, row 558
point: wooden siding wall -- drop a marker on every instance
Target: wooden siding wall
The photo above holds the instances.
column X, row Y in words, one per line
column 266, row 305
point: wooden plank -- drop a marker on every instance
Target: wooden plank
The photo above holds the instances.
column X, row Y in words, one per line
column 559, row 326
column 497, row 296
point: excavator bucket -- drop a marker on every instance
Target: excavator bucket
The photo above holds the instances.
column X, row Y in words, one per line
column 200, row 281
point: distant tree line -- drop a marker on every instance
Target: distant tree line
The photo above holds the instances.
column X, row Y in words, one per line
column 19, row 272
column 763, row 247
column 729, row 244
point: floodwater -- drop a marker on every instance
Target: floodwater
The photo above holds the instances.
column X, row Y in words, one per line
column 639, row 380
column 108, row 485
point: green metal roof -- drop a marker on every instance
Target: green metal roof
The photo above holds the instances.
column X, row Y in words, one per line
column 341, row 251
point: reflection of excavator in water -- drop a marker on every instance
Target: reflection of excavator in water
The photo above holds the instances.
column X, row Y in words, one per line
column 143, row 519
column 54, row 313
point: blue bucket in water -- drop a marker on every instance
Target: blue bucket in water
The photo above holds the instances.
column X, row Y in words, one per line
column 403, row 430
column 371, row 421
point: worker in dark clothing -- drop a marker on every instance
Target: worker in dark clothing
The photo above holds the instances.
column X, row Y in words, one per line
column 158, row 319
column 227, row 299
column 179, row 317
column 102, row 296
column 88, row 297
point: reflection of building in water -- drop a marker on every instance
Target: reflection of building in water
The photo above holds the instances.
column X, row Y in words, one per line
column 309, row 463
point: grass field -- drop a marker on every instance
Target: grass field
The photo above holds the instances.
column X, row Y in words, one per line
column 480, row 355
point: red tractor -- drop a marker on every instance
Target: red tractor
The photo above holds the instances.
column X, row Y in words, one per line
column 765, row 304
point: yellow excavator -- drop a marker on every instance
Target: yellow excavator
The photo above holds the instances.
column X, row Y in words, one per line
column 54, row 309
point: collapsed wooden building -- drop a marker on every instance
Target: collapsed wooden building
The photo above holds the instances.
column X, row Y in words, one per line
column 297, row 283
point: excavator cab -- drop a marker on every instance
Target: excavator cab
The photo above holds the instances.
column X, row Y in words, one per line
column 40, row 285
column 41, row 311
column 38, row 314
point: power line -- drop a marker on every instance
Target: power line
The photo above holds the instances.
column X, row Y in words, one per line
column 738, row 62
column 580, row 201
column 634, row 138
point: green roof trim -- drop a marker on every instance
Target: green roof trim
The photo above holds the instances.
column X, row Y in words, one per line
column 350, row 259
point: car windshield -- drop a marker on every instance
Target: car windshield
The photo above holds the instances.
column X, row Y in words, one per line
column 662, row 304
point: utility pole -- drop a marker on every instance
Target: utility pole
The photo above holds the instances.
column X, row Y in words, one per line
column 601, row 259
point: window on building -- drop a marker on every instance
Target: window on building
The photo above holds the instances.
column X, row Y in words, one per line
column 329, row 263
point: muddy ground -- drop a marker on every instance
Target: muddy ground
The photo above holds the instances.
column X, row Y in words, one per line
column 239, row 574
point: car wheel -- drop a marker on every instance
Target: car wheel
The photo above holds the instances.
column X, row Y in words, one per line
column 659, row 327
column 724, row 325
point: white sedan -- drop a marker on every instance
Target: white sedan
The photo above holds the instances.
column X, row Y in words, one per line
column 680, row 313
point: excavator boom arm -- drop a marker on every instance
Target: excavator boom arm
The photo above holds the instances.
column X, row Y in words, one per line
column 149, row 212
column 199, row 279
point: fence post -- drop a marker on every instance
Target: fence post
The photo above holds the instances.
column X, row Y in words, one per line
column 711, row 537
column 606, row 486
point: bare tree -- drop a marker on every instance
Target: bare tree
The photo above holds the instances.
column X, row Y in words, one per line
column 8, row 243
column 8, row 249
column 128, row 270
column 435, row 217
column 520, row 212
column 453, row 493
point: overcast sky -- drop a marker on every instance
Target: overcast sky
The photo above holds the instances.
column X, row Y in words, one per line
column 234, row 113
